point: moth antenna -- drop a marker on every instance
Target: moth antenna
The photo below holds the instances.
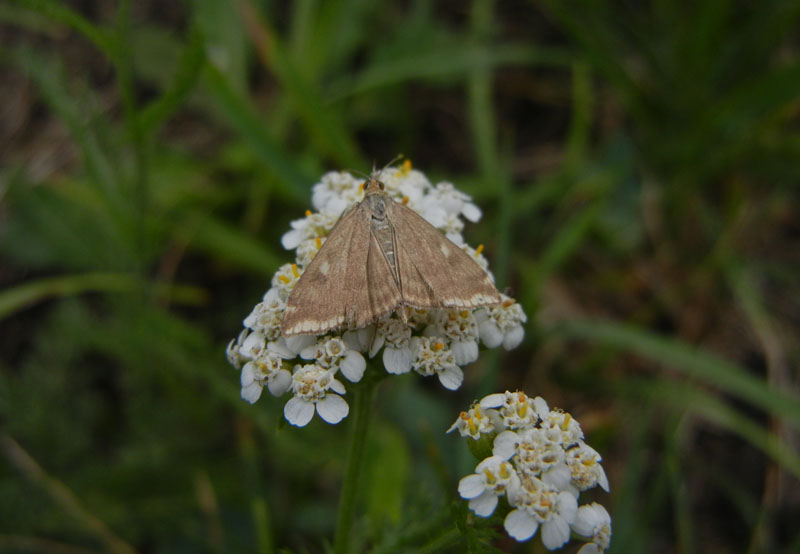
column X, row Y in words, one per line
column 396, row 158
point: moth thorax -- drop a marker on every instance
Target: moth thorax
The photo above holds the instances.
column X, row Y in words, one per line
column 377, row 205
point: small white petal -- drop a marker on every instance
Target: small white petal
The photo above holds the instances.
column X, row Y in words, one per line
column 359, row 339
column 542, row 409
column 333, row 408
column 279, row 347
column 471, row 212
column 397, row 360
column 455, row 238
column 484, row 504
column 513, row 337
column 520, row 525
column 353, row 365
column 589, row 517
column 309, row 352
column 555, row 533
column 465, row 352
column 292, row 239
column 505, row 445
column 451, row 377
column 252, row 392
column 280, row 383
column 490, row 333
column 471, row 486
column 567, row 507
column 298, row 411
column 377, row 344
column 337, row 386
column 602, row 479
column 558, row 476
column 493, row 400
column 248, row 374
column 590, row 548
column 299, row 342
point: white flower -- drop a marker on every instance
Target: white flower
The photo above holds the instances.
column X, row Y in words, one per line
column 477, row 255
column 267, row 370
column 502, row 324
column 477, row 422
column 455, row 202
column 538, row 504
column 586, row 472
column 516, row 408
column 408, row 185
column 332, row 353
column 266, row 315
column 493, row 477
column 336, row 191
column 253, row 345
column 308, row 249
column 562, row 428
column 284, row 279
column 593, row 521
column 313, row 225
column 290, row 348
column 535, row 456
column 233, row 351
column 433, row 357
column 315, row 388
column 394, row 336
column 462, row 331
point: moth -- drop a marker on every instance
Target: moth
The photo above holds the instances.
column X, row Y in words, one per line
column 381, row 256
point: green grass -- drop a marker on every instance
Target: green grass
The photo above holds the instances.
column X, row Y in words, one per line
column 637, row 169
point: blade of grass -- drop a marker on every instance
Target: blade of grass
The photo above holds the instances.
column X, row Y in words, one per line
column 60, row 12
column 686, row 359
column 457, row 60
column 62, row 495
column 323, row 122
column 20, row 297
column 186, row 74
column 702, row 403
column 239, row 112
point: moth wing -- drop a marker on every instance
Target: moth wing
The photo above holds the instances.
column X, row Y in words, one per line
column 384, row 294
column 435, row 272
column 333, row 288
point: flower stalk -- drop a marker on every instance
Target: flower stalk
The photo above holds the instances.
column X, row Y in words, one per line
column 364, row 395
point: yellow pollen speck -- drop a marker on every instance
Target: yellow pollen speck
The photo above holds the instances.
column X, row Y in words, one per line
column 464, row 313
column 479, row 249
column 490, row 478
column 508, row 303
column 295, row 272
column 546, row 503
column 319, row 243
column 463, row 415
column 284, row 278
column 405, row 200
column 405, row 168
column 504, row 473
column 472, row 427
column 437, row 346
column 523, row 409
column 521, row 397
column 361, row 186
column 308, row 213
column 588, row 463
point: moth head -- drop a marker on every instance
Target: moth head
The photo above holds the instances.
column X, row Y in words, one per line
column 373, row 186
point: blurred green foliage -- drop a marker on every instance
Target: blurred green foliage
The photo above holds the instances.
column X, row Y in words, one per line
column 637, row 167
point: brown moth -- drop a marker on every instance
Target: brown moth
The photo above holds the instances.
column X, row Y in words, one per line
column 381, row 256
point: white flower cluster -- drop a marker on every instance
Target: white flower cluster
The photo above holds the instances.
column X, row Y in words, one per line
column 430, row 342
column 540, row 464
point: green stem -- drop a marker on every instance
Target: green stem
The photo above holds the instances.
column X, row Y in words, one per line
column 362, row 408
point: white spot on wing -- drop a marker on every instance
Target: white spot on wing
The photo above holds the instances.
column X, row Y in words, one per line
column 445, row 250
column 325, row 267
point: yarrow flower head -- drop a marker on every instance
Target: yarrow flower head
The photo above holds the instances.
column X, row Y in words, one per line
column 430, row 342
column 540, row 464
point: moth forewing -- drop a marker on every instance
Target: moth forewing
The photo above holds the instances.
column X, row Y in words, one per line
column 330, row 290
column 435, row 272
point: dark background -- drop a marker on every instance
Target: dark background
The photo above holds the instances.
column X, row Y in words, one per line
column 637, row 165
